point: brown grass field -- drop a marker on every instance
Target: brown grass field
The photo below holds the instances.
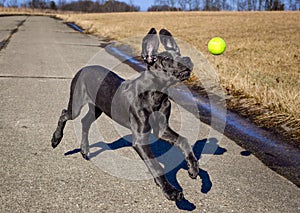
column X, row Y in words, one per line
column 259, row 71
column 24, row 11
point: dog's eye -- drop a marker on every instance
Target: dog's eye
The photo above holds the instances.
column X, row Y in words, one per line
column 167, row 58
column 144, row 57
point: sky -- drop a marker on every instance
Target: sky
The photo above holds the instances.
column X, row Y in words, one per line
column 143, row 4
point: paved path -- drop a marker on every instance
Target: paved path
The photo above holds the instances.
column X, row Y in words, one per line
column 35, row 69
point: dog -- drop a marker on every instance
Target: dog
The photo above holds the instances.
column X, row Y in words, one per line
column 141, row 104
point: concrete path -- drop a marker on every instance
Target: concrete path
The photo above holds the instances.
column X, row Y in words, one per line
column 35, row 69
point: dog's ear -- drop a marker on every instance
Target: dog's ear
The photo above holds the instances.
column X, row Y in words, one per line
column 150, row 46
column 168, row 41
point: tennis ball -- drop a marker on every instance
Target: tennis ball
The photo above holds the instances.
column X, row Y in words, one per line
column 216, row 46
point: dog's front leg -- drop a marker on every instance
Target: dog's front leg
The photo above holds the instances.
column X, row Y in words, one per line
column 140, row 144
column 182, row 143
column 161, row 129
column 154, row 167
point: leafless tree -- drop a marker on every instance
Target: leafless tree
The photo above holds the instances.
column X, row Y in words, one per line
column 100, row 1
column 182, row 4
column 12, row 3
column 161, row 2
column 172, row 3
column 61, row 3
column 2, row 2
column 190, row 4
column 293, row 4
column 197, row 4
column 254, row 5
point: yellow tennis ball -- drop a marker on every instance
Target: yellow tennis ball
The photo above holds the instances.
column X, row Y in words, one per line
column 216, row 46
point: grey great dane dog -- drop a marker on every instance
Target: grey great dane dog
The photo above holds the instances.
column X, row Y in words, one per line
column 141, row 104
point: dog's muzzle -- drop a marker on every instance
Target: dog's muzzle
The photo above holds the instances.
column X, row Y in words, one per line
column 184, row 75
column 186, row 65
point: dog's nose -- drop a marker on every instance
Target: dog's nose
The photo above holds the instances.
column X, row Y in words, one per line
column 188, row 62
column 149, row 59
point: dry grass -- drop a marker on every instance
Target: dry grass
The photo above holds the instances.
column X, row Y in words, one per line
column 260, row 70
column 23, row 11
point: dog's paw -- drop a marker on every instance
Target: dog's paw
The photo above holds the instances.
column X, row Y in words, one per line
column 55, row 141
column 84, row 149
column 173, row 194
column 193, row 169
column 85, row 155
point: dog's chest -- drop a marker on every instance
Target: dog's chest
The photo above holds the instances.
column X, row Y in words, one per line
column 131, row 99
column 150, row 100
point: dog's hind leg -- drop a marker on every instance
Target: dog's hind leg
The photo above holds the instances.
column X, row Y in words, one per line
column 67, row 114
column 87, row 121
column 58, row 134
column 76, row 102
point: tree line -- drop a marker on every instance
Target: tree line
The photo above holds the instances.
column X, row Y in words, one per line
column 159, row 5
column 99, row 6
column 89, row 6
column 217, row 5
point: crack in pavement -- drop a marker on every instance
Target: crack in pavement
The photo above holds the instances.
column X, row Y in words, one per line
column 4, row 42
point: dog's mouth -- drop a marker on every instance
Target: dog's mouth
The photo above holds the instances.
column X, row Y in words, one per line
column 184, row 75
column 185, row 66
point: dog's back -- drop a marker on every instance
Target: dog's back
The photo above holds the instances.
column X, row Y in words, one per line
column 96, row 85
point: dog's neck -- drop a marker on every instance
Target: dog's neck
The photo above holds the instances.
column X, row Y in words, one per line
column 146, row 81
column 161, row 78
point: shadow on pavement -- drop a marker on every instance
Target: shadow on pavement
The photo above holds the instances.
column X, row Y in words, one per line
column 169, row 156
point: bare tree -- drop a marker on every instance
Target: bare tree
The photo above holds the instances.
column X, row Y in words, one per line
column 12, row 3
column 61, row 3
column 190, row 4
column 161, row 2
column 172, row 3
column 182, row 4
column 2, row 3
column 260, row 5
column 293, row 4
column 207, row 5
column 242, row 5
column 268, row 4
column 224, row 7
column 249, row 5
column 197, row 4
column 217, row 5
column 254, row 5
column 131, row 2
column 100, row 1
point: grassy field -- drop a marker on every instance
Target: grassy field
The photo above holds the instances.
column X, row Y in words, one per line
column 260, row 70
column 24, row 11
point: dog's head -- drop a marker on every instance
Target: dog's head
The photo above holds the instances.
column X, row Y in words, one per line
column 168, row 64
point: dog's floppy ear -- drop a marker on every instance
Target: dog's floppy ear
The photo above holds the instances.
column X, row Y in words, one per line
column 168, row 41
column 150, row 46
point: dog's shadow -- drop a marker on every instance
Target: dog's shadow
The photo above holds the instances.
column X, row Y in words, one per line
column 172, row 159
